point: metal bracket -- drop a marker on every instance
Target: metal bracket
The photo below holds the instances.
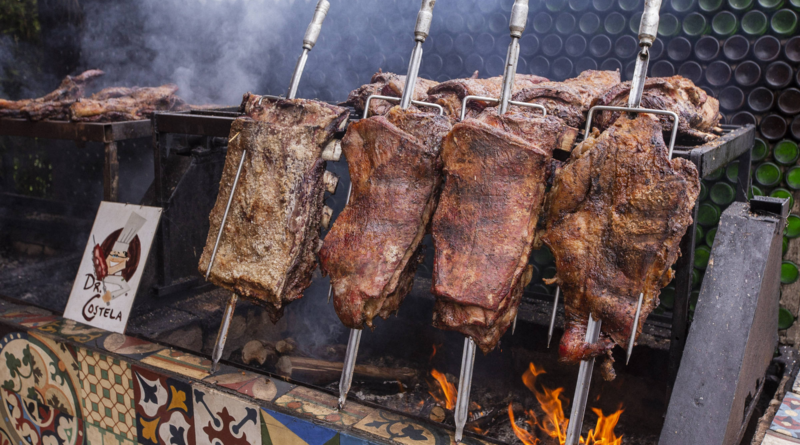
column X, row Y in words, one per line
column 397, row 99
column 497, row 101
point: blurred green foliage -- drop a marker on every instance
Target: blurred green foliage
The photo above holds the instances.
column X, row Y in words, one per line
column 19, row 19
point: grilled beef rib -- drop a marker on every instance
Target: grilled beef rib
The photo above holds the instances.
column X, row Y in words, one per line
column 372, row 251
column 385, row 84
column 123, row 104
column 451, row 94
column 54, row 105
column 614, row 220
column 268, row 245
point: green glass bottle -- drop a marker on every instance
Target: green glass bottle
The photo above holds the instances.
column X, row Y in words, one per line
column 548, row 272
column 722, row 194
column 543, row 256
column 785, row 319
column 768, row 175
column 681, row 6
column 724, row 23
column 784, row 22
column 760, row 150
column 697, row 278
column 786, row 152
column 785, row 246
column 695, row 24
column 701, row 256
column 716, row 174
column 630, row 5
column 755, row 23
column 579, row 5
column 667, row 297
column 693, row 297
column 699, row 234
column 770, row 4
column 555, row 5
column 740, row 5
column 636, row 18
column 732, row 172
column 755, row 191
column 589, row 23
column 540, row 289
column 710, row 5
column 792, row 229
column 602, row 5
column 710, row 237
column 795, row 4
column 783, row 194
column 668, row 25
column 793, row 177
column 703, row 191
column 708, row 215
column 789, row 272
column 614, row 23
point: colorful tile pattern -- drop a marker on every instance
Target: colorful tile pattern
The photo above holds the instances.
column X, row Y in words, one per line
column 181, row 363
column 309, row 403
column 107, row 393
column 96, row 435
column 280, row 429
column 25, row 421
column 164, row 409
column 407, row 431
column 773, row 438
column 221, row 419
column 247, row 383
column 129, row 346
column 72, row 330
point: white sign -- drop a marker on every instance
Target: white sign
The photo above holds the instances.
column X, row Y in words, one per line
column 112, row 265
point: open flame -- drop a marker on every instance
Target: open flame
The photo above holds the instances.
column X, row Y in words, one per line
column 444, row 392
column 554, row 423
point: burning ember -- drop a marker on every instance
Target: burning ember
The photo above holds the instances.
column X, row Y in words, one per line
column 443, row 391
column 554, row 423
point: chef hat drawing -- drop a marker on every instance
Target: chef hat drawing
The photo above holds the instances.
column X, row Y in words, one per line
column 135, row 222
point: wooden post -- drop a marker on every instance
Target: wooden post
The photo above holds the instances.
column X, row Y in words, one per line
column 111, row 173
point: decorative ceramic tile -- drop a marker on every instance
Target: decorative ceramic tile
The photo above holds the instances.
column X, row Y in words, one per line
column 280, row 429
column 247, row 383
column 41, row 370
column 72, row 330
column 20, row 314
column 25, row 421
column 773, row 438
column 344, row 439
column 787, row 419
column 96, row 435
column 129, row 346
column 310, row 403
column 222, row 419
column 404, row 430
column 39, row 320
column 164, row 414
column 107, row 393
column 181, row 363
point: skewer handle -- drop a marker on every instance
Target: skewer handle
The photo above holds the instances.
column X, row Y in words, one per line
column 648, row 27
column 519, row 18
column 464, row 387
column 349, row 365
column 424, row 19
column 314, row 28
column 222, row 334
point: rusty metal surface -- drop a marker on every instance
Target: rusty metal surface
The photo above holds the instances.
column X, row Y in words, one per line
column 77, row 131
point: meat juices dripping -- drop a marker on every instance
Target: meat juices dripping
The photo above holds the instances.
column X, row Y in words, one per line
column 373, row 249
column 698, row 113
column 483, row 230
column 614, row 220
column 571, row 99
column 385, row 84
column 266, row 254
column 451, row 94
column 120, row 103
column 54, row 105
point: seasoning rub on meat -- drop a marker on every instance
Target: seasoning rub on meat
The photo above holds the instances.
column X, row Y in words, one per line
column 268, row 245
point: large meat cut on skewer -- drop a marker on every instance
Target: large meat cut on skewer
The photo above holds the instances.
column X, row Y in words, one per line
column 122, row 104
column 483, row 230
column 572, row 98
column 267, row 250
column 385, row 84
column 54, row 105
column 451, row 94
column 614, row 220
column 372, row 251
column 698, row 112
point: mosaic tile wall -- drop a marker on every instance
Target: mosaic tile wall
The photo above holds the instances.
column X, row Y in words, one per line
column 64, row 383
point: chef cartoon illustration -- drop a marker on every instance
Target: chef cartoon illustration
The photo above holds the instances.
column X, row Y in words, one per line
column 117, row 258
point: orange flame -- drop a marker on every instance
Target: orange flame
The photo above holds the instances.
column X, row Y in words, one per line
column 554, row 423
column 444, row 392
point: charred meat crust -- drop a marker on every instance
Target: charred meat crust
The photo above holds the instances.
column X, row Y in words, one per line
column 450, row 94
column 385, row 84
column 614, row 220
column 266, row 254
column 484, row 227
column 697, row 112
column 120, row 103
column 372, row 250
column 54, row 105
column 571, row 99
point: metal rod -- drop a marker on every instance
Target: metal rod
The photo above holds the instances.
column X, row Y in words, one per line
column 297, row 74
column 309, row 40
column 553, row 317
column 512, row 58
column 496, row 100
column 464, row 387
column 421, row 31
column 674, row 116
column 222, row 334
column 582, row 388
column 397, row 99
column 225, row 215
column 349, row 365
column 635, row 327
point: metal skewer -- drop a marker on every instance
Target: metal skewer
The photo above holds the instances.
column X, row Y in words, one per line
column 421, row 31
column 309, row 40
column 648, row 29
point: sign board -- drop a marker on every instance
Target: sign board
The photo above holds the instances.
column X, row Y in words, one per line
column 112, row 265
